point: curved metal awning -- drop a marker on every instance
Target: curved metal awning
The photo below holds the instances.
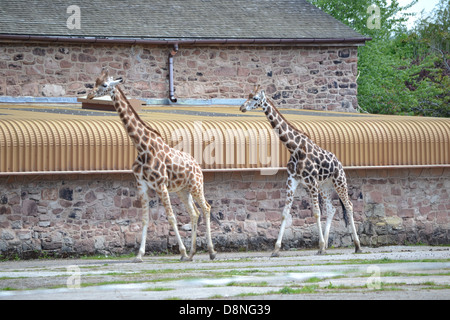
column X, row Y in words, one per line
column 45, row 139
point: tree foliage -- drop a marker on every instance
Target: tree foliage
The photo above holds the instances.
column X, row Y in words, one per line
column 360, row 14
column 401, row 71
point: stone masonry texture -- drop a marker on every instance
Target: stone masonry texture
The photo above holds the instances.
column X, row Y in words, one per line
column 320, row 78
column 72, row 215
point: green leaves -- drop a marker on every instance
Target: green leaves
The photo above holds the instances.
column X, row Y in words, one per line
column 357, row 15
column 401, row 71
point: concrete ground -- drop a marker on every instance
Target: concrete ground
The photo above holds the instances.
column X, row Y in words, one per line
column 394, row 272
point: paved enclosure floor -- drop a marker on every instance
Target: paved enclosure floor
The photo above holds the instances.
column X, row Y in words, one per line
column 394, row 272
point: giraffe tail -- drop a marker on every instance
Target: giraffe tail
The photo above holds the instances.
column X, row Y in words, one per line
column 344, row 213
column 214, row 218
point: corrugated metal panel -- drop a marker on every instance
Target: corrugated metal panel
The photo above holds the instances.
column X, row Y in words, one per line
column 40, row 142
column 27, row 145
column 384, row 142
column 225, row 145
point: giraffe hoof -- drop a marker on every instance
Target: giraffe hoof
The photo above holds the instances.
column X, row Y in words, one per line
column 212, row 255
column 138, row 260
column 275, row 254
column 358, row 250
column 321, row 252
column 186, row 258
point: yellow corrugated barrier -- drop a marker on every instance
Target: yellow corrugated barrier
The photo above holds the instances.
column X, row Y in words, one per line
column 67, row 139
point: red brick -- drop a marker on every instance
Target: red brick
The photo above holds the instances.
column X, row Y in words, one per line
column 250, row 195
column 425, row 210
column 406, row 213
column 29, row 208
column 442, row 217
column 273, row 216
column 261, row 195
column 375, row 197
column 274, row 194
column 396, row 191
column 298, row 222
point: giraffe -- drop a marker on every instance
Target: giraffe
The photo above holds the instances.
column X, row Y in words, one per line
column 159, row 167
column 318, row 170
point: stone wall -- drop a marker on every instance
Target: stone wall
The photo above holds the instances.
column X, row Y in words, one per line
column 69, row 215
column 322, row 78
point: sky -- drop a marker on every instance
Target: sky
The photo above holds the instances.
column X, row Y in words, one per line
column 427, row 5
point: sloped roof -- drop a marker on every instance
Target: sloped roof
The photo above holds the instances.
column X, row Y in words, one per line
column 174, row 19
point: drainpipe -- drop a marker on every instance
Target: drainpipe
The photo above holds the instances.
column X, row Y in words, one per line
column 171, row 89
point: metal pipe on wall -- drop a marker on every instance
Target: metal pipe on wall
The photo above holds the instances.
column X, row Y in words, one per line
column 171, row 88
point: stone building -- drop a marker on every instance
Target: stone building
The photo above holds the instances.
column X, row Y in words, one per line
column 66, row 186
column 305, row 58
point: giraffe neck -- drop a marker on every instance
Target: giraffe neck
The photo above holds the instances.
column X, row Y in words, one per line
column 289, row 136
column 140, row 132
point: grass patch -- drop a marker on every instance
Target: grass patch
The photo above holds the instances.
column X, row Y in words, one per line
column 249, row 294
column 158, row 289
column 248, row 284
column 236, row 272
column 331, row 286
column 388, row 287
column 387, row 260
column 173, row 298
column 9, row 278
column 313, row 280
column 305, row 289
column 434, row 286
column 8, row 289
column 105, row 257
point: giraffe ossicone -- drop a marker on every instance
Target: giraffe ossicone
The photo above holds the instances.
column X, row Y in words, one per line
column 316, row 169
column 159, row 167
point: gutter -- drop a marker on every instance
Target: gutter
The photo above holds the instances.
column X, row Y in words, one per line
column 184, row 41
column 263, row 170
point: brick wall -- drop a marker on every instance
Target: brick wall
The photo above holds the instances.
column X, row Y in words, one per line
column 88, row 214
column 322, row 78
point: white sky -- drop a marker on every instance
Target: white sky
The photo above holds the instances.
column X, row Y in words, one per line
column 427, row 5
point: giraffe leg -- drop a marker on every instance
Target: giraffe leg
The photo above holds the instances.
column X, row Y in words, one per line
column 330, row 214
column 206, row 208
column 314, row 193
column 291, row 186
column 326, row 194
column 143, row 196
column 349, row 208
column 164, row 195
column 186, row 198
column 341, row 188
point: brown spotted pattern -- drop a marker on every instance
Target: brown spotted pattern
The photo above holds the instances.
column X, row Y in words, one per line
column 318, row 170
column 160, row 168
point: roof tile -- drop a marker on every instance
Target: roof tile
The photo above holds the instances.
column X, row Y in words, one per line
column 174, row 19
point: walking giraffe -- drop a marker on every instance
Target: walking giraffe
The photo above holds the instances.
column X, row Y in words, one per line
column 318, row 170
column 159, row 167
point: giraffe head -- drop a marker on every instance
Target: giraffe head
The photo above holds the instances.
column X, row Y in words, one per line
column 104, row 85
column 255, row 99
